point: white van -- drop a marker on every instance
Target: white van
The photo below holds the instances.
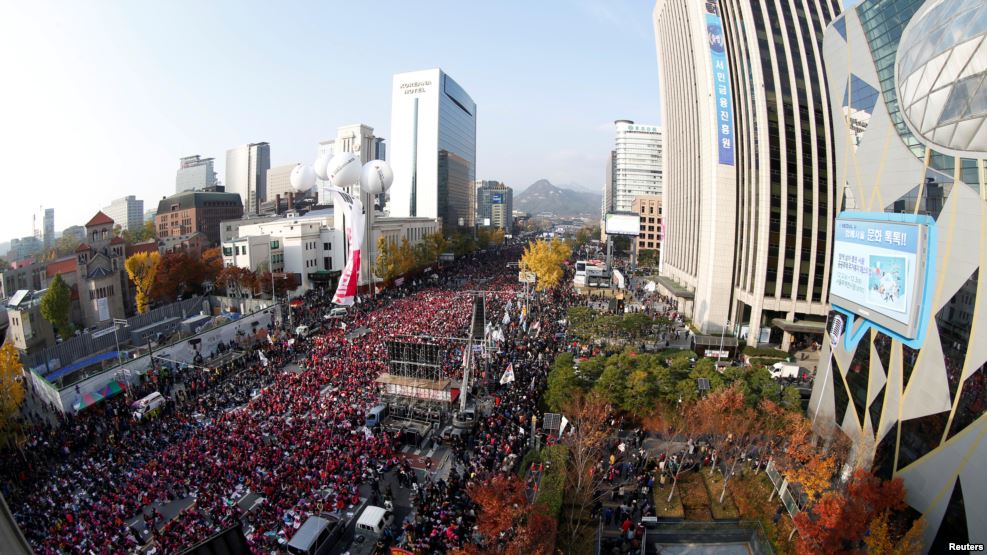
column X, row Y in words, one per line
column 339, row 312
column 148, row 406
column 374, row 520
column 788, row 370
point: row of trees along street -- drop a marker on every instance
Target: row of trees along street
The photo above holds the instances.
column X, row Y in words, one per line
column 743, row 423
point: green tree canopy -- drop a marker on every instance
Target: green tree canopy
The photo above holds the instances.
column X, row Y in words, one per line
column 56, row 305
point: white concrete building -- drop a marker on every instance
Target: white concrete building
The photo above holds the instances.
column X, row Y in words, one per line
column 637, row 169
column 252, row 252
column 298, row 245
column 246, row 174
column 433, row 149
column 127, row 212
column 310, row 245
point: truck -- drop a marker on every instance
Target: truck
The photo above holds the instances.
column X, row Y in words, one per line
column 790, row 370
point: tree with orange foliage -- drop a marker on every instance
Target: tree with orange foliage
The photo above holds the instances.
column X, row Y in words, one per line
column 212, row 263
column 733, row 426
column 801, row 460
column 537, row 537
column 179, row 274
column 237, row 282
column 508, row 520
column 502, row 502
column 839, row 520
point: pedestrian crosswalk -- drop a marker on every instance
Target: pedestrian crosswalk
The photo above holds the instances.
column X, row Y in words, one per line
column 410, row 450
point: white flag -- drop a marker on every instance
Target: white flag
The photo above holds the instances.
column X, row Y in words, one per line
column 565, row 422
column 508, row 376
column 507, row 318
column 263, row 359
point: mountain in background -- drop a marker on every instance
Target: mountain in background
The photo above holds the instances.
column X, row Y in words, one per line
column 541, row 196
column 578, row 187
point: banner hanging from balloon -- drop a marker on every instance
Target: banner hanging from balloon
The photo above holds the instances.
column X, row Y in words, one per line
column 352, row 210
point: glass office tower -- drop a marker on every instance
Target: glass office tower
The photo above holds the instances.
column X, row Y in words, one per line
column 433, row 149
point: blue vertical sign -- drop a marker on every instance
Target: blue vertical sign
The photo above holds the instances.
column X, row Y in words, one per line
column 723, row 104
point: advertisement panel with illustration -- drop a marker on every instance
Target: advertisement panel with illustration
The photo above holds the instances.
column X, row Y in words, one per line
column 878, row 270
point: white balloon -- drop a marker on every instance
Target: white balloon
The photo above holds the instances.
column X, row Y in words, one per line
column 302, row 178
column 320, row 166
column 376, row 177
column 344, row 170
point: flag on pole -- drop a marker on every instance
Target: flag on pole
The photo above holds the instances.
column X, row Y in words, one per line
column 507, row 318
column 565, row 422
column 263, row 359
column 508, row 376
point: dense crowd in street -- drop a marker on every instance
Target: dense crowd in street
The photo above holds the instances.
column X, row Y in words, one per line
column 299, row 442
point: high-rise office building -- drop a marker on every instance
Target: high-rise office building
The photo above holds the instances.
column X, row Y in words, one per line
column 194, row 174
column 909, row 118
column 24, row 247
column 636, row 164
column 494, row 205
column 49, row 228
column 126, row 212
column 246, row 174
column 433, row 149
column 747, row 198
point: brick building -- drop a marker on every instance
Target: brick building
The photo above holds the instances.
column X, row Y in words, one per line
column 191, row 211
column 649, row 208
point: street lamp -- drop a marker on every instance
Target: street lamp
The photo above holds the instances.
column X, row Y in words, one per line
column 344, row 170
column 117, row 322
column 719, row 354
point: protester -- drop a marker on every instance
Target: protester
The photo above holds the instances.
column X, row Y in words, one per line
column 294, row 437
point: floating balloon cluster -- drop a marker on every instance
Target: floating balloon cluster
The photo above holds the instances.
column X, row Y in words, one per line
column 343, row 170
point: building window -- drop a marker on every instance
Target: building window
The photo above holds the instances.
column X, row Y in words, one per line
column 325, row 246
column 275, row 245
column 327, row 263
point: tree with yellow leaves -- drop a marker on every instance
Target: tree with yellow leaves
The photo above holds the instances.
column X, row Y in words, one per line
column 386, row 265
column 545, row 259
column 405, row 257
column 143, row 269
column 11, row 388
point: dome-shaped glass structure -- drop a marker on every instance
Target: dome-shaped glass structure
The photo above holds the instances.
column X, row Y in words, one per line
column 940, row 76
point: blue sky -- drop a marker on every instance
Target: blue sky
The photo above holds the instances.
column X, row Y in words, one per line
column 101, row 99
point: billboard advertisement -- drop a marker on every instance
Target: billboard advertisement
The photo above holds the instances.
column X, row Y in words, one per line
column 496, row 198
column 722, row 100
column 880, row 262
column 623, row 224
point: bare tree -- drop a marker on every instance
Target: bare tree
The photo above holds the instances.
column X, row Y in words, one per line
column 586, row 441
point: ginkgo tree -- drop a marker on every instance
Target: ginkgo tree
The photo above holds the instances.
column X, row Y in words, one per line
column 546, row 259
column 143, row 270
column 11, row 388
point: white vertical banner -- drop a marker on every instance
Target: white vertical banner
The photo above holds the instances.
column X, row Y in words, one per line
column 352, row 210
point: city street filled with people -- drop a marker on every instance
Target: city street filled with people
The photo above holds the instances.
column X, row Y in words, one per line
column 286, row 421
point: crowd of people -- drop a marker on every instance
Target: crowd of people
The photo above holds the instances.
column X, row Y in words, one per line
column 299, row 442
